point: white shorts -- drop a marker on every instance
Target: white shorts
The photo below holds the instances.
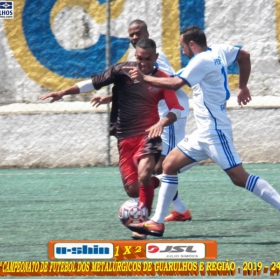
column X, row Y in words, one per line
column 219, row 147
column 172, row 135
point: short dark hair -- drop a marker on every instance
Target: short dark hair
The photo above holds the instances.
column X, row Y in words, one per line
column 140, row 22
column 194, row 33
column 146, row 43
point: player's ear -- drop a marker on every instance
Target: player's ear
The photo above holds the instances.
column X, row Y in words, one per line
column 191, row 43
column 156, row 56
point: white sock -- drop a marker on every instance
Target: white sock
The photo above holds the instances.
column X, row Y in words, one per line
column 166, row 194
column 264, row 190
column 187, row 167
column 178, row 205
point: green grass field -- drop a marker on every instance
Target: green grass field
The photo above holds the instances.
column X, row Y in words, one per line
column 40, row 205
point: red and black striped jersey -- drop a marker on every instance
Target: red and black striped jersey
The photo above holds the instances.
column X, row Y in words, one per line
column 137, row 102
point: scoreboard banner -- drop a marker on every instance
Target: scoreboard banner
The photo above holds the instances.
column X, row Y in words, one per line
column 132, row 249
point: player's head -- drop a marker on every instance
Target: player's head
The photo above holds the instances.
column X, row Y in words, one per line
column 137, row 30
column 192, row 40
column 146, row 55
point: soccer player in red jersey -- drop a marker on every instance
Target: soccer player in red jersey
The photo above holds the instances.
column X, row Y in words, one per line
column 172, row 134
column 138, row 127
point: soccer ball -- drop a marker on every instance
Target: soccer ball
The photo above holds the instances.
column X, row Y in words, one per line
column 131, row 212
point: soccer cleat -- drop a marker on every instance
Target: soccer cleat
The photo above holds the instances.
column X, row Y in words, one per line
column 138, row 236
column 176, row 216
column 149, row 227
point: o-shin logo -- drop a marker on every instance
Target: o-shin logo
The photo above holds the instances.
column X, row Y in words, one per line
column 83, row 250
column 175, row 251
column 7, row 9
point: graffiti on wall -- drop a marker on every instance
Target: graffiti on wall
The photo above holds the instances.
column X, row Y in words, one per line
column 32, row 40
column 40, row 55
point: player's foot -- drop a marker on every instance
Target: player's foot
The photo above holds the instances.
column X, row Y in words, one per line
column 138, row 236
column 177, row 216
column 148, row 227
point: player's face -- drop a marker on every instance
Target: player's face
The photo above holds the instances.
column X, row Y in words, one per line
column 146, row 59
column 185, row 48
column 137, row 32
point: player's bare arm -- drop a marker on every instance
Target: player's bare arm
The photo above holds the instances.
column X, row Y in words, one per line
column 244, row 65
column 168, row 83
column 56, row 95
column 156, row 130
column 84, row 86
column 100, row 100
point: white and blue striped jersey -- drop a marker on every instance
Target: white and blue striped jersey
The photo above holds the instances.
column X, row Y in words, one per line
column 163, row 64
column 206, row 73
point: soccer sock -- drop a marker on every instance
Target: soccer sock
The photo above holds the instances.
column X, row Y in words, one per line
column 264, row 190
column 166, row 193
column 178, row 204
column 146, row 196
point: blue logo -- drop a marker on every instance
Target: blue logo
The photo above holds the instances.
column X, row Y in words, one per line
column 83, row 251
column 6, row 10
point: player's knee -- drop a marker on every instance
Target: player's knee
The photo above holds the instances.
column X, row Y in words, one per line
column 168, row 167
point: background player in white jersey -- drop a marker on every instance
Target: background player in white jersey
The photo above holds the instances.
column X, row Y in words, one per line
column 207, row 74
column 172, row 134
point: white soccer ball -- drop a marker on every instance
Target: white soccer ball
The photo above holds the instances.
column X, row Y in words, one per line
column 131, row 212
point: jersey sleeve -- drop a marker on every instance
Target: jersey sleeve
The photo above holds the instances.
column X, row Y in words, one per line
column 231, row 53
column 107, row 77
column 194, row 72
column 171, row 100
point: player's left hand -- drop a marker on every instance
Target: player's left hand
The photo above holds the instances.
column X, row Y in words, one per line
column 134, row 73
column 243, row 96
column 155, row 130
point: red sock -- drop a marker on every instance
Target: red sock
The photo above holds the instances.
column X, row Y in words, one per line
column 146, row 196
column 155, row 182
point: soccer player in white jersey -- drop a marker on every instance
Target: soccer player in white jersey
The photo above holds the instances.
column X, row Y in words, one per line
column 172, row 134
column 206, row 73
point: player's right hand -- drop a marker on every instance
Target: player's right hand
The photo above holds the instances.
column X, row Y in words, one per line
column 99, row 100
column 134, row 73
column 54, row 95
column 243, row 96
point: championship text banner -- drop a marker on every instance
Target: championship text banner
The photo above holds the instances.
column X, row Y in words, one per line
column 135, row 258
column 137, row 268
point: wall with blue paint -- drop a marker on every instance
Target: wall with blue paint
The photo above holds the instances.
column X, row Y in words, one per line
column 59, row 42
